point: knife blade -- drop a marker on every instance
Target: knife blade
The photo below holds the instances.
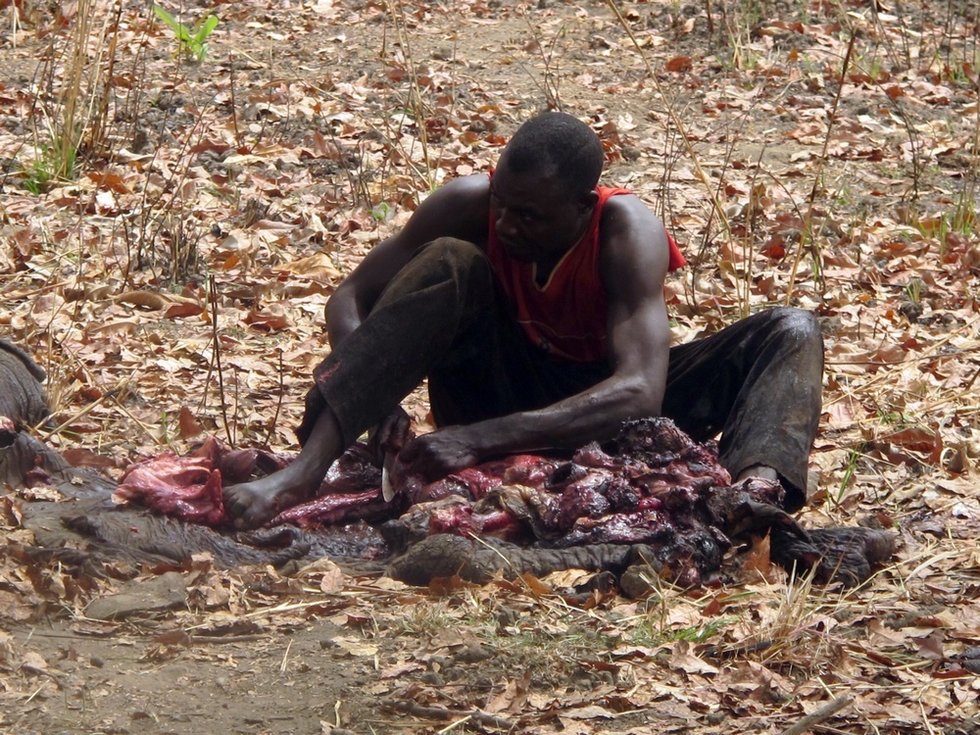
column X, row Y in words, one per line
column 387, row 489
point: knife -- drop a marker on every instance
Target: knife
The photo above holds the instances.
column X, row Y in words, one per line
column 387, row 489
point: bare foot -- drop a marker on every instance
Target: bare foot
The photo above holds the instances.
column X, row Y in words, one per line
column 758, row 470
column 794, row 498
column 252, row 504
column 255, row 503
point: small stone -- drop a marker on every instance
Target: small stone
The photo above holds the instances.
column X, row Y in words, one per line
column 473, row 654
column 638, row 581
column 166, row 592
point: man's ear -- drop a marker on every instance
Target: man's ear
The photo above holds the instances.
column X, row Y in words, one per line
column 589, row 201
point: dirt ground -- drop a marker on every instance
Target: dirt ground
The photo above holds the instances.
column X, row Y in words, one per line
column 309, row 132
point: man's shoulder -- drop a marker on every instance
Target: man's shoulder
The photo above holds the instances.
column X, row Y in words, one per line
column 633, row 240
column 459, row 208
column 625, row 213
column 473, row 189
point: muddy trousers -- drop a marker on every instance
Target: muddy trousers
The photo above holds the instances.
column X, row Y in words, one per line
column 443, row 317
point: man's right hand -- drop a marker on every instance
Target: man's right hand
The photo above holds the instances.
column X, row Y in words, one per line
column 390, row 435
column 433, row 456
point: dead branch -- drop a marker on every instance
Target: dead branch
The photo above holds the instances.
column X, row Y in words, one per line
column 441, row 713
column 825, row 712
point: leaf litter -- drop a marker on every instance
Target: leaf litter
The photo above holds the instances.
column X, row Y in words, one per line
column 173, row 282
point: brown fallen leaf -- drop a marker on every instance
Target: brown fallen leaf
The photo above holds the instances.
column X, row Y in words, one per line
column 176, row 311
column 145, row 299
column 267, row 322
column 682, row 659
column 355, row 646
column 513, row 696
column 188, row 425
column 931, row 646
column 678, row 64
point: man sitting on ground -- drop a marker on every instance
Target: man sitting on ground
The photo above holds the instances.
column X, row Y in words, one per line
column 533, row 301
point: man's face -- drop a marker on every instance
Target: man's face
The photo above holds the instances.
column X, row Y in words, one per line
column 536, row 219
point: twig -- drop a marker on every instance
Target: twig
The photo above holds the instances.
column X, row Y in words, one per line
column 216, row 361
column 825, row 712
column 551, row 80
column 210, row 639
column 889, row 375
column 971, row 381
column 107, row 393
column 282, row 391
column 714, row 651
column 35, row 692
column 495, row 550
column 440, row 713
column 907, row 360
column 415, row 103
column 807, row 228
column 75, row 417
column 454, row 724
column 676, row 120
column 234, row 104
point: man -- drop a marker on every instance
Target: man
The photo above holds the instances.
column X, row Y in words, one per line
column 533, row 301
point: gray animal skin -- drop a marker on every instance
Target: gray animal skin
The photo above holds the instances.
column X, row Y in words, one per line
column 88, row 528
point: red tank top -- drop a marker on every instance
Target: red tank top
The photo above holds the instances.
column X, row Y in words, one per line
column 567, row 317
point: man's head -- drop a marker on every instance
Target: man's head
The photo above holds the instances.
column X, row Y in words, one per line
column 543, row 191
column 559, row 145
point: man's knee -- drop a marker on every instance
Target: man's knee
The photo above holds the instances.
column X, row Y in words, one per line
column 456, row 269
column 439, row 260
column 459, row 254
column 794, row 324
column 459, row 261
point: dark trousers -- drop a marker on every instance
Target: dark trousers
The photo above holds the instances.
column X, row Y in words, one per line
column 758, row 381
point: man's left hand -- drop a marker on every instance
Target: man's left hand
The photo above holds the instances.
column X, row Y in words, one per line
column 437, row 454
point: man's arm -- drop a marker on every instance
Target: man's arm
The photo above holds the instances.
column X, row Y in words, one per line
column 458, row 209
column 634, row 265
